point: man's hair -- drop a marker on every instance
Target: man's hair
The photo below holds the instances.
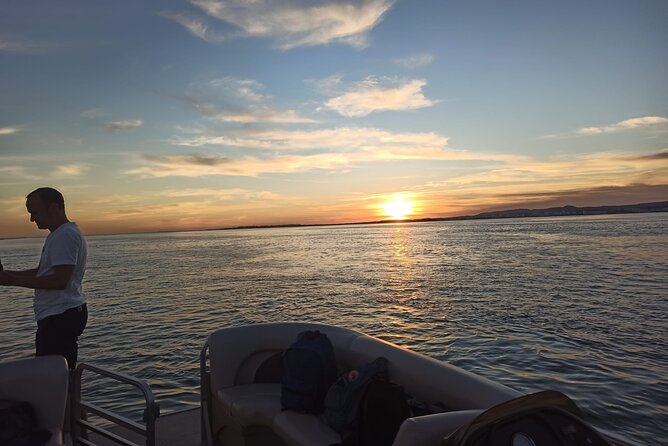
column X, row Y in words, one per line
column 48, row 195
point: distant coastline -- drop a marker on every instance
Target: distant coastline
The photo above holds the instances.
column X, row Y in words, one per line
column 561, row 211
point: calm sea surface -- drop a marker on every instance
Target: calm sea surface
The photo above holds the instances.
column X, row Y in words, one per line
column 577, row 304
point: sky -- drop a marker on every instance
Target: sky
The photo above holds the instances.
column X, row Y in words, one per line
column 180, row 115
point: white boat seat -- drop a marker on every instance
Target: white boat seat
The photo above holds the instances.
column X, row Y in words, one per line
column 251, row 404
column 42, row 382
column 260, row 405
column 298, row 429
column 431, row 429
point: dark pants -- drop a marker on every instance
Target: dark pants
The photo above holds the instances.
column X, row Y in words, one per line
column 58, row 334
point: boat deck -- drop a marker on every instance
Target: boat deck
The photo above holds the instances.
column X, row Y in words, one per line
column 174, row 429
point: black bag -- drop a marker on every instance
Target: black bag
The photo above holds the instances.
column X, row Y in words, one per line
column 365, row 407
column 546, row 418
column 345, row 397
column 384, row 408
column 18, row 425
column 309, row 369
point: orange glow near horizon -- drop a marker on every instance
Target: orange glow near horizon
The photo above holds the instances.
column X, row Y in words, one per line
column 397, row 207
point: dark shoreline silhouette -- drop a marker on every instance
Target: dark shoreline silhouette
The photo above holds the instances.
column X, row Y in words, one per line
column 561, row 211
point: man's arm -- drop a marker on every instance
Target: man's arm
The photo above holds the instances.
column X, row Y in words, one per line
column 57, row 280
column 24, row 273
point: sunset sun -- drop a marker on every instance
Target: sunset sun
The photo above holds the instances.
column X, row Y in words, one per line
column 397, row 207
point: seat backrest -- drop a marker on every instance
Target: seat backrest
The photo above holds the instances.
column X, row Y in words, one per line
column 431, row 380
column 230, row 347
column 40, row 381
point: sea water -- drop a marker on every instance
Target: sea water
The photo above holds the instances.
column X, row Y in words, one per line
column 576, row 304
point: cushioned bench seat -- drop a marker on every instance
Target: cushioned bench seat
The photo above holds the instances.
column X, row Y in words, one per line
column 251, row 404
column 302, row 429
column 260, row 404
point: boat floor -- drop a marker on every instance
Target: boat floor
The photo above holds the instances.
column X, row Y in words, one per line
column 174, row 429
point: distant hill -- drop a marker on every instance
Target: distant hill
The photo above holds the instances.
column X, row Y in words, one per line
column 661, row 206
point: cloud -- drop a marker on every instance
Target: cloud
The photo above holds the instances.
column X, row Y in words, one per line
column 253, row 115
column 340, row 139
column 21, row 46
column 14, row 171
column 651, row 157
column 206, row 165
column 123, row 125
column 71, row 170
column 415, row 61
column 195, row 26
column 5, row 131
column 288, row 151
column 225, row 194
column 586, row 196
column 585, row 180
column 532, row 178
column 622, row 194
column 92, row 113
column 329, row 86
column 293, row 25
column 239, row 100
column 371, row 96
column 31, row 168
column 628, row 124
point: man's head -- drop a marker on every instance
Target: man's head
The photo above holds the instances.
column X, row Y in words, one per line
column 46, row 207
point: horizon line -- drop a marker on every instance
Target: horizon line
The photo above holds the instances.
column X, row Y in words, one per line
column 480, row 216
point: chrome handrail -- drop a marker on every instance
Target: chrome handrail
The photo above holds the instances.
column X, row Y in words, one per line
column 80, row 409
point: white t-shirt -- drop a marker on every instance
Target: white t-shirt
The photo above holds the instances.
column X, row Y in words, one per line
column 64, row 246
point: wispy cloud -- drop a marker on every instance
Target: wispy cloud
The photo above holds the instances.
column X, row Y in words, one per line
column 592, row 179
column 93, row 113
column 207, row 165
column 628, row 124
column 627, row 194
column 645, row 122
column 415, row 61
column 374, row 95
column 123, row 124
column 15, row 171
column 31, row 168
column 560, row 173
column 325, row 149
column 195, row 26
column 5, row 131
column 224, row 194
column 663, row 155
column 70, row 170
column 98, row 117
column 329, row 86
column 241, row 101
column 8, row 45
column 340, row 139
column 291, row 25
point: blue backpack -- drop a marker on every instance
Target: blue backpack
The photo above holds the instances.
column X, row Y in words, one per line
column 309, row 369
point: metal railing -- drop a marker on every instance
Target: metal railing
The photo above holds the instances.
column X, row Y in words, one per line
column 80, row 426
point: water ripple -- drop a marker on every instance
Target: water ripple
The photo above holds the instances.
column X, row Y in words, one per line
column 578, row 305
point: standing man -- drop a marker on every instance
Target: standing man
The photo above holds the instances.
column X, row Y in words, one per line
column 60, row 307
